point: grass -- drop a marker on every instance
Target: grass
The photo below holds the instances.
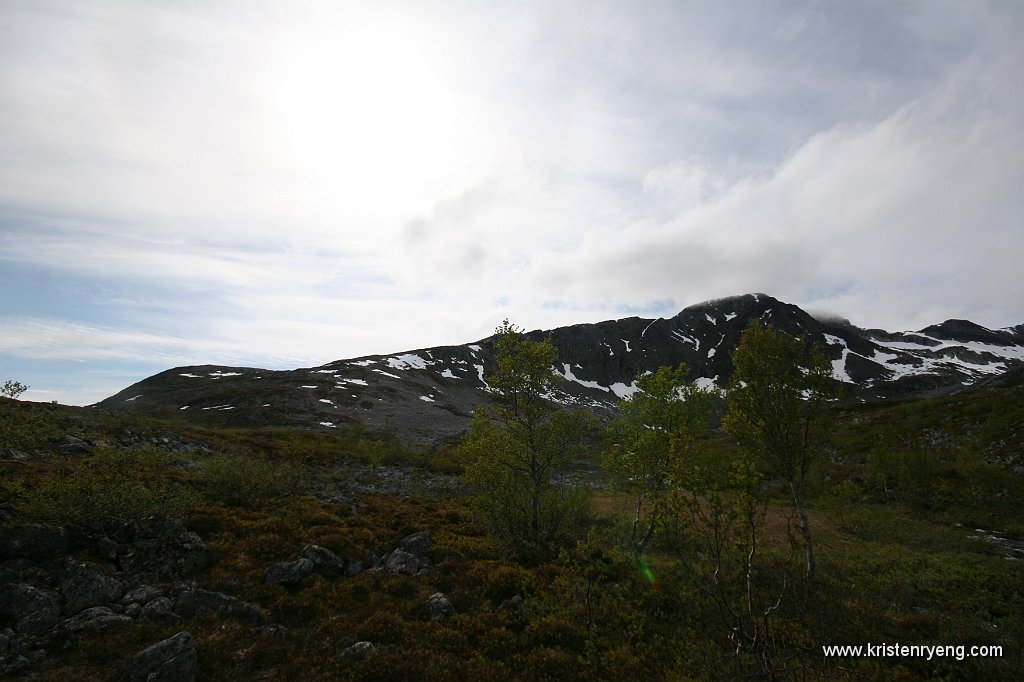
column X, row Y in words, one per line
column 895, row 564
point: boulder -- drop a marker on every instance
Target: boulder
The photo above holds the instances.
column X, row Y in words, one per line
column 86, row 585
column 27, row 606
column 94, row 618
column 141, row 595
column 438, row 607
column 400, row 562
column 161, row 608
column 417, row 544
column 290, row 572
column 178, row 554
column 172, row 660
column 325, row 562
column 356, row 652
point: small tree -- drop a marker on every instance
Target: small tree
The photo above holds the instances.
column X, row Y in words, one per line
column 12, row 389
column 774, row 407
column 657, row 432
column 521, row 441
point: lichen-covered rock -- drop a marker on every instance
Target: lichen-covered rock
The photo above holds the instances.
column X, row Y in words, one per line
column 417, row 544
column 160, row 609
column 172, row 660
column 179, row 553
column 290, row 572
column 325, row 562
column 94, row 618
column 356, row 652
column 400, row 562
column 86, row 585
column 438, row 607
column 25, row 606
column 141, row 595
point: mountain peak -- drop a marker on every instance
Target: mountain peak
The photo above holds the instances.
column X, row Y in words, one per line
column 428, row 395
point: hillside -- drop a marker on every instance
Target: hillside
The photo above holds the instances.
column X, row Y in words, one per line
column 427, row 396
column 297, row 554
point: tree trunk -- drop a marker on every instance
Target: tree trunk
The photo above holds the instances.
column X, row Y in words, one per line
column 805, row 527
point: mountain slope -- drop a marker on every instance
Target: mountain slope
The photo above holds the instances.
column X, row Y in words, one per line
column 427, row 395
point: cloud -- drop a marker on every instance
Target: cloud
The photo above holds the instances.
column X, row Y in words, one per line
column 245, row 182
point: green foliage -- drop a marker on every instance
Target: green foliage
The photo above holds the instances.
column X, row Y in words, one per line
column 517, row 444
column 12, row 389
column 659, row 430
column 775, row 403
column 24, row 427
column 246, row 479
column 113, row 494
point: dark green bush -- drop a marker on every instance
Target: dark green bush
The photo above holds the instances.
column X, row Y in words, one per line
column 245, row 479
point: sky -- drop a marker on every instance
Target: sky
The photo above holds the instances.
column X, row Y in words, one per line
column 284, row 184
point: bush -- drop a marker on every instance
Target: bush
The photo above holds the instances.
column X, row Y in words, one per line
column 243, row 479
column 114, row 494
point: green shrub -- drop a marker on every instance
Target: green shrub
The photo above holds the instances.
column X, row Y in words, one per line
column 114, row 494
column 245, row 479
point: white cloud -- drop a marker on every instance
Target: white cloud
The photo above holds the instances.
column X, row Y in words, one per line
column 328, row 180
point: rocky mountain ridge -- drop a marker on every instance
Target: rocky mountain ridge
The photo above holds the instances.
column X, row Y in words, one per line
column 427, row 396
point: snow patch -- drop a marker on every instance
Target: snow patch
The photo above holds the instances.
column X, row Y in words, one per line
column 628, row 349
column 711, row 353
column 475, row 348
column 133, row 398
column 360, row 382
column 183, row 407
column 729, row 316
column 839, row 366
column 710, row 319
column 706, row 383
column 407, row 361
column 190, row 376
column 568, row 375
column 426, row 398
column 447, row 374
column 387, row 374
column 307, row 387
column 325, row 400
column 328, row 425
column 225, row 374
column 364, row 363
column 623, row 391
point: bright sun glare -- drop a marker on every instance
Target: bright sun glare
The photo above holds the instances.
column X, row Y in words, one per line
column 367, row 115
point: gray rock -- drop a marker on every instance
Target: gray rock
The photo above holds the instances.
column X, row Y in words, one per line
column 88, row 585
column 181, row 553
column 12, row 664
column 290, row 572
column 401, row 562
column 417, row 544
column 38, row 622
column 356, row 652
column 325, row 562
column 133, row 610
column 32, row 541
column 172, row 660
column 19, row 602
column 93, row 618
column 141, row 595
column 161, row 609
column 71, row 443
column 439, row 607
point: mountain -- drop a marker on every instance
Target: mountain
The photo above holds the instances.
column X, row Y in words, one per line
column 428, row 395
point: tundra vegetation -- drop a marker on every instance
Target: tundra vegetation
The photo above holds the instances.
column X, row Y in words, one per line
column 687, row 554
